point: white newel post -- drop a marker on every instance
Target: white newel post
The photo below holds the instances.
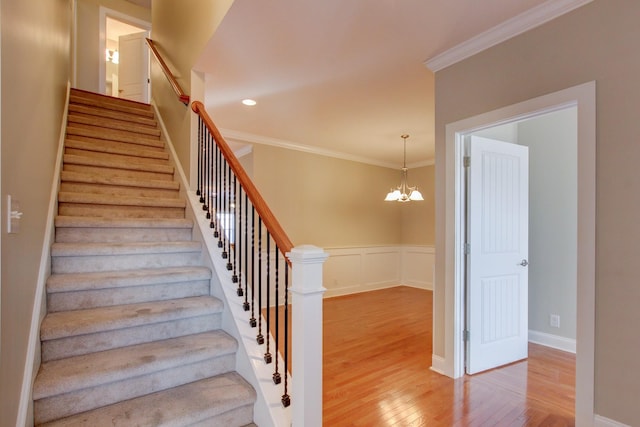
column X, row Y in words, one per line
column 306, row 335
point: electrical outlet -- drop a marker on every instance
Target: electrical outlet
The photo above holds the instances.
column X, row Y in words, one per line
column 554, row 320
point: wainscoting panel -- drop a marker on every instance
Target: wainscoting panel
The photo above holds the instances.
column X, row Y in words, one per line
column 351, row 270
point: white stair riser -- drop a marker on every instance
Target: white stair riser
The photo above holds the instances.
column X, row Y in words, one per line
column 89, row 343
column 120, row 235
column 83, row 400
column 78, row 300
column 95, row 263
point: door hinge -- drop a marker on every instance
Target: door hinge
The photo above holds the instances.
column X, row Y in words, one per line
column 466, row 161
column 467, row 248
column 465, row 335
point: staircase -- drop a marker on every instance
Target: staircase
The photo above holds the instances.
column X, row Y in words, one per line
column 132, row 336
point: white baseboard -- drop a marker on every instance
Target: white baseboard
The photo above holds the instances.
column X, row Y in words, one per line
column 599, row 421
column 554, row 341
column 438, row 364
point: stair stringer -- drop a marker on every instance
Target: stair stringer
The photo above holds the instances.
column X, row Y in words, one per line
column 268, row 409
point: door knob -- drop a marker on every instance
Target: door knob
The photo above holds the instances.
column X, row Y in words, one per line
column 524, row 263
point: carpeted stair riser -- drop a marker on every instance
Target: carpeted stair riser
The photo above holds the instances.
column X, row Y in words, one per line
column 101, row 102
column 108, row 377
column 92, row 204
column 113, row 135
column 125, row 256
column 113, row 124
column 114, row 148
column 143, row 120
column 187, row 405
column 121, row 234
column 115, row 190
column 102, row 144
column 66, row 334
column 116, row 172
column 70, row 229
column 121, row 158
column 91, row 290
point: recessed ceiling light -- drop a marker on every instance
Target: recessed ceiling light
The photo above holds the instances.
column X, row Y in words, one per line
column 249, row 102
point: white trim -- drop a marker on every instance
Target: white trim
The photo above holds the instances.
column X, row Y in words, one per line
column 584, row 96
column 600, row 421
column 519, row 24
column 553, row 341
column 249, row 138
column 355, row 269
column 438, row 364
column 43, row 273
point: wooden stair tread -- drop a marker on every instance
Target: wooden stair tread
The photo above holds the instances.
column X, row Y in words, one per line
column 112, row 114
column 113, row 164
column 119, row 136
column 112, row 124
column 89, row 178
column 99, row 222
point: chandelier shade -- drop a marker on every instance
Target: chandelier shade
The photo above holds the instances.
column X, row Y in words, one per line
column 404, row 193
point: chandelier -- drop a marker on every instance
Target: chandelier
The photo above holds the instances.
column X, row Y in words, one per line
column 404, row 193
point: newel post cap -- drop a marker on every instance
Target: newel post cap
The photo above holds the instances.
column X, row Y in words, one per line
column 307, row 254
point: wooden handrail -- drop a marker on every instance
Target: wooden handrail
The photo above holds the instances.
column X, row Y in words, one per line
column 277, row 232
column 184, row 98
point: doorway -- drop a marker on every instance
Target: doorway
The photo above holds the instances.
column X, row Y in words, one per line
column 583, row 98
column 118, row 77
column 544, row 311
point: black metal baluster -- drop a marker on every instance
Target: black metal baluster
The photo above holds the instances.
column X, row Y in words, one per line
column 276, row 375
column 237, row 251
column 216, row 232
column 207, row 172
column 286, row 399
column 228, row 211
column 252, row 321
column 260, row 337
column 267, row 355
column 211, row 177
column 246, row 247
column 200, row 148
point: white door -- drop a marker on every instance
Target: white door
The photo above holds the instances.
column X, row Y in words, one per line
column 133, row 69
column 497, row 273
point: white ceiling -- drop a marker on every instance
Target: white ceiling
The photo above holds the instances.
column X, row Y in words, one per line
column 340, row 77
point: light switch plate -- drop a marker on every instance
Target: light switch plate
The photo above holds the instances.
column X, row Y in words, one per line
column 13, row 215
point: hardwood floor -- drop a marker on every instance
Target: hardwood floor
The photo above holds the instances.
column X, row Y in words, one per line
column 377, row 354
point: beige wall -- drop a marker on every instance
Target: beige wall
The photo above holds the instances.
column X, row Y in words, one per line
column 88, row 40
column 418, row 219
column 598, row 42
column 181, row 29
column 329, row 202
column 35, row 71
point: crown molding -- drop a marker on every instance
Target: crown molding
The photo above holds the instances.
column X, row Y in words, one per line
column 519, row 24
column 249, row 138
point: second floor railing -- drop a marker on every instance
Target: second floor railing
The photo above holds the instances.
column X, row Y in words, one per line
column 252, row 241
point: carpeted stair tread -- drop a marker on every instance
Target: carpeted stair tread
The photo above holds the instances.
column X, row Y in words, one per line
column 81, row 322
column 112, row 124
column 98, row 222
column 106, row 148
column 180, row 406
column 112, row 114
column 100, row 199
column 114, row 135
column 129, row 248
column 90, row 370
column 125, row 278
column 120, row 181
column 112, row 164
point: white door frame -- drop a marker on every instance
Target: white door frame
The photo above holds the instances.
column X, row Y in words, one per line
column 110, row 13
column 584, row 98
